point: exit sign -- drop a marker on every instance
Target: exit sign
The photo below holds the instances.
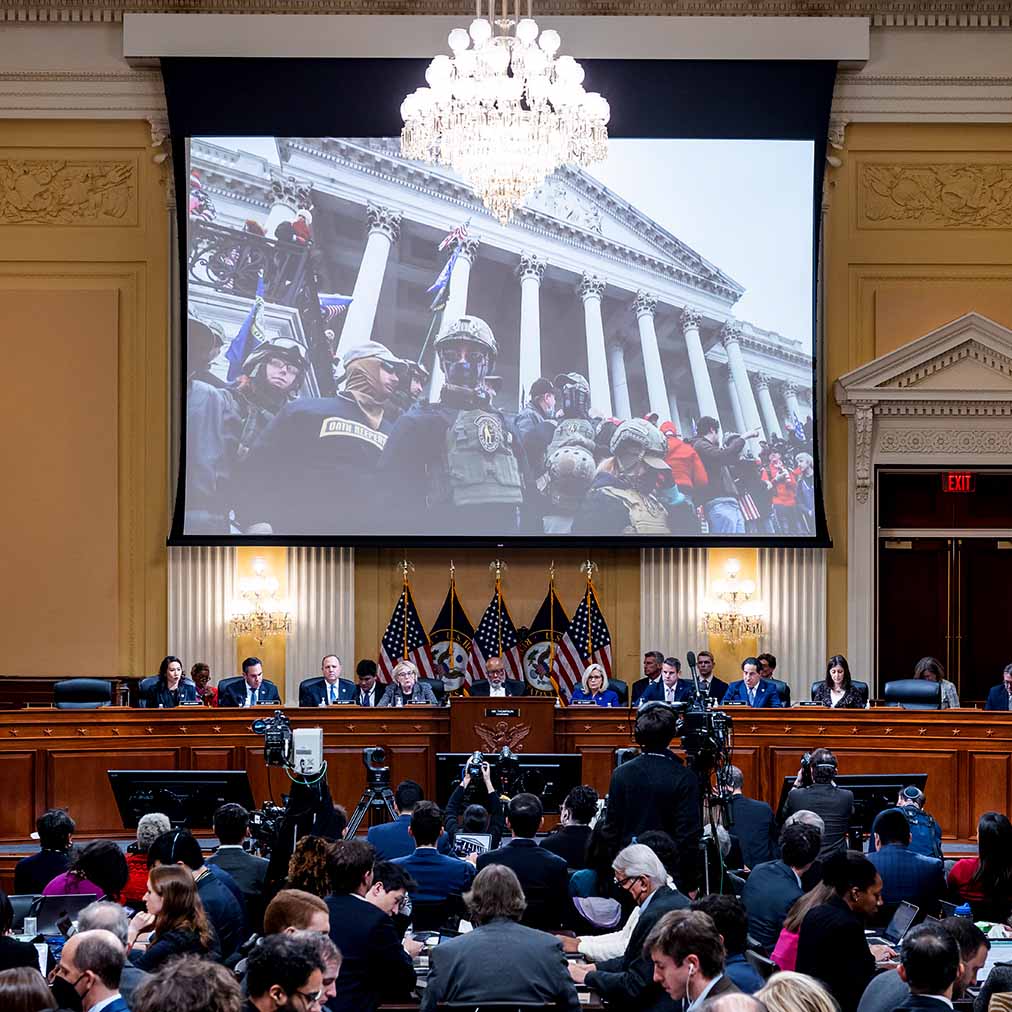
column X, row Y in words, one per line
column 959, row 481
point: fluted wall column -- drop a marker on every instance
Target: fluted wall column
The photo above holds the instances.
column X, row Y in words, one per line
column 766, row 403
column 791, row 399
column 384, row 228
column 531, row 271
column 731, row 336
column 591, row 289
column 672, row 590
column 732, row 394
column 456, row 304
column 644, row 306
column 697, row 364
column 619, row 380
column 321, row 586
column 201, row 589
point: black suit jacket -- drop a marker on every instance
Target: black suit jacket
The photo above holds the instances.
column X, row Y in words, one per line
column 158, row 694
column 832, row 948
column 753, row 823
column 639, row 685
column 248, row 871
column 769, row 893
column 656, row 791
column 834, row 804
column 377, row 694
column 235, row 693
column 922, row 1003
column 570, row 843
column 374, row 966
column 513, row 686
column 628, row 980
column 33, row 873
column 544, row 879
column 312, row 691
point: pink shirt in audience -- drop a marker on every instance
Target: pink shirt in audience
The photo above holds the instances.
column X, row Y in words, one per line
column 70, row 884
column 785, row 953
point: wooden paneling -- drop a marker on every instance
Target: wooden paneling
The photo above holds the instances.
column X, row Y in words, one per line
column 211, row 758
column 989, row 784
column 18, row 811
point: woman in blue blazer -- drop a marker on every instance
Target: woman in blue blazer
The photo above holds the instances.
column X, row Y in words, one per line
column 594, row 688
column 171, row 688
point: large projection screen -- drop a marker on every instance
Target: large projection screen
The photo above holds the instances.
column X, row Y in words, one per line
column 363, row 338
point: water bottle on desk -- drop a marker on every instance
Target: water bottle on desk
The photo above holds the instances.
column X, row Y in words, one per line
column 963, row 910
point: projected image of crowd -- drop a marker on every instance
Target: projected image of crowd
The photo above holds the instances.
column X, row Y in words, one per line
column 425, row 378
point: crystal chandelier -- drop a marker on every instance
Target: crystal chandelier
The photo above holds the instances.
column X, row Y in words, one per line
column 504, row 112
column 258, row 611
column 731, row 613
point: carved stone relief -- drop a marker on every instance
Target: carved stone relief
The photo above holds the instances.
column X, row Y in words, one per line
column 67, row 192
column 945, row 441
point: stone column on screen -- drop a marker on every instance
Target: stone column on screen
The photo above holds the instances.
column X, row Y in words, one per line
column 619, row 380
column 456, row 303
column 791, row 399
column 732, row 393
column 697, row 364
column 730, row 334
column 591, row 289
column 766, row 403
column 673, row 411
column 644, row 306
column 384, row 227
column 531, row 271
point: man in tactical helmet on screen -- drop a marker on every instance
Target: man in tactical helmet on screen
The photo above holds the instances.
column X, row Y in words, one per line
column 454, row 467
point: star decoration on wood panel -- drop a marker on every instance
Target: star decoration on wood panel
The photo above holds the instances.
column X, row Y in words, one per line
column 48, row 732
column 822, row 729
column 82, row 731
column 150, row 730
column 12, row 731
column 990, row 732
column 588, row 727
column 351, row 727
column 787, row 728
column 955, row 731
column 853, row 730
column 216, row 729
column 115, row 732
column 754, row 728
column 922, row 730
column 182, row 729
column 888, row 730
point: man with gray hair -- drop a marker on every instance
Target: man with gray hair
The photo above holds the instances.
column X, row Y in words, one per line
column 90, row 966
column 752, row 822
column 811, row 878
column 627, row 981
column 105, row 915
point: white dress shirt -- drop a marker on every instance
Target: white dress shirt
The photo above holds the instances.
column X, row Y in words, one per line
column 497, row 690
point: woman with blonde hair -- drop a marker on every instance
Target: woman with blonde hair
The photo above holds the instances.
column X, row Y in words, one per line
column 406, row 688
column 594, row 688
column 177, row 919
column 785, row 953
column 795, row 992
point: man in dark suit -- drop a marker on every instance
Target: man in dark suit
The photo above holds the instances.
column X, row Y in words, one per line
column 652, row 661
column 329, row 688
column 376, row 966
column 715, row 687
column 627, row 982
column 930, row 965
column 834, row 805
column 669, row 688
column 282, row 972
column 392, row 839
column 91, row 964
column 905, row 875
column 366, row 691
column 752, row 822
column 543, row 875
column 56, row 833
column 569, row 841
column 752, row 689
column 252, row 690
column 772, row 887
column 1000, row 697
column 496, row 683
column 460, row 969
column 437, row 876
column 231, row 826
column 656, row 791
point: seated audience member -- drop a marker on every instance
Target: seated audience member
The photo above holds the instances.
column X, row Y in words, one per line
column 253, row 690
column 23, row 989
column 392, row 839
column 628, row 981
column 329, row 687
column 570, row 840
column 728, row 914
column 593, row 688
column 785, row 952
column 296, row 910
column 328, row 954
column 733, row 1003
column 309, row 866
column 376, row 967
column 231, row 826
column 752, row 689
column 1000, row 697
column 598, row 878
column 930, row 964
column 669, row 688
column 460, row 968
column 835, row 805
column 189, row 984
column 774, row 886
column 687, row 955
column 171, row 688
column 925, row 832
column 437, row 876
column 223, row 907
column 831, row 945
column 985, row 881
column 175, row 918
column 905, row 875
column 888, row 991
column 813, row 876
column 89, row 972
column 56, row 833
column 390, row 887
column 931, row 670
column 787, row 991
column 366, row 691
column 99, row 868
column 476, row 795
column 542, row 874
column 752, row 822
column 284, row 972
column 837, row 690
column 149, row 828
column 107, row 916
column 200, row 675
column 407, row 688
column 12, row 952
column 495, row 682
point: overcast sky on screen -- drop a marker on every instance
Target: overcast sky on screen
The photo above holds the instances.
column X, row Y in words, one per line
column 744, row 205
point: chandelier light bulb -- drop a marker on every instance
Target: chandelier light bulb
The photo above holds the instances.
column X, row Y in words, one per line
column 480, row 31
column 458, row 40
column 732, row 568
column 550, row 41
column 527, row 30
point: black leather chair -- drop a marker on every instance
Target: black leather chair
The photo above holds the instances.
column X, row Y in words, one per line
column 763, row 966
column 620, row 689
column 861, row 687
column 913, row 694
column 228, row 681
column 783, row 690
column 438, row 689
column 82, row 694
column 144, row 686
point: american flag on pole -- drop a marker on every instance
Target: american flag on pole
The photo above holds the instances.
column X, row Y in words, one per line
column 405, row 639
column 587, row 641
column 456, row 234
column 496, row 636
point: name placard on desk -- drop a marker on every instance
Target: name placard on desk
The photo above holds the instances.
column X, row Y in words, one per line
column 502, row 711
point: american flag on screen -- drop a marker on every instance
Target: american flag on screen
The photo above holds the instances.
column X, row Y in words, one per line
column 405, row 639
column 495, row 636
column 587, row 641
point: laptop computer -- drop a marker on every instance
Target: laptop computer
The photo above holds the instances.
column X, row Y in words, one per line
column 948, row 909
column 897, row 927
column 55, row 911
column 21, row 904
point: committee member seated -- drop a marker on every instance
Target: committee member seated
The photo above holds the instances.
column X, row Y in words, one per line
column 284, row 972
column 56, row 834
column 329, row 688
column 438, row 877
column 925, row 832
column 931, row 670
column 1000, row 697
column 252, row 690
column 406, row 688
column 752, row 822
column 593, row 688
column 463, row 970
column 905, row 875
column 652, row 661
column 542, row 874
column 200, row 675
column 571, row 837
column 815, row 790
column 669, row 688
column 837, row 690
column 169, row 688
column 496, row 683
column 367, row 692
column 752, row 689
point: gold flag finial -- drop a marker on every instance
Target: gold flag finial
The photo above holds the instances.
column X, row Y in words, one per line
column 588, row 568
column 551, row 571
column 498, row 567
column 453, row 569
column 406, row 566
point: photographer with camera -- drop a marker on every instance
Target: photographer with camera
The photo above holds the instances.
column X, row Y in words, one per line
column 815, row 791
column 473, row 792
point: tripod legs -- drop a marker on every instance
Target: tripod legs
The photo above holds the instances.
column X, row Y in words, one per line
column 376, row 798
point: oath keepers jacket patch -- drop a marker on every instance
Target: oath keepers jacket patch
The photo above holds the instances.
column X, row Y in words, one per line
column 357, row 430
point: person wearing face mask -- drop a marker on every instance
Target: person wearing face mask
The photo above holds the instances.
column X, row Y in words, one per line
column 88, row 973
column 536, row 423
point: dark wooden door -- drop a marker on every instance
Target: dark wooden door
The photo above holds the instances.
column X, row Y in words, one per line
column 984, row 615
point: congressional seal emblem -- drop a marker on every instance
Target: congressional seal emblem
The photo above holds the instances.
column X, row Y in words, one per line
column 490, row 434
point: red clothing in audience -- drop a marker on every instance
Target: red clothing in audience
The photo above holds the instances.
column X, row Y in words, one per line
column 137, row 883
column 959, row 880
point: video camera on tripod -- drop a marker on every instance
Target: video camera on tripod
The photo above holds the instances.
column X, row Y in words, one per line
column 299, row 750
column 377, row 795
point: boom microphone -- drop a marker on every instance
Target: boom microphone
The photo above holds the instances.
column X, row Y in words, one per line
column 690, row 659
column 698, row 700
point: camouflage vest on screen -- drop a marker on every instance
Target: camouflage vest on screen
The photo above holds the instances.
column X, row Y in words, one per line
column 646, row 514
column 481, row 466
